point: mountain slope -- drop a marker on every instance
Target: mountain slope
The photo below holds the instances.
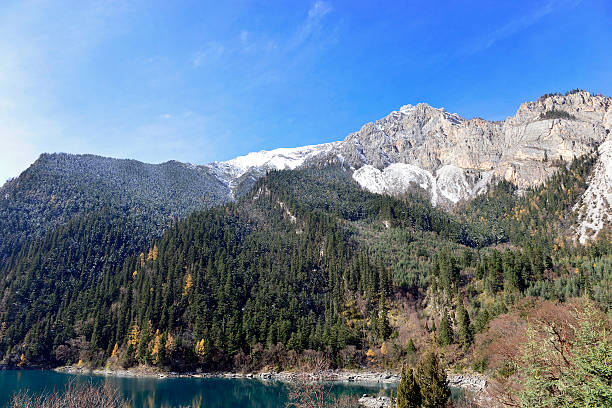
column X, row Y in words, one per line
column 59, row 187
column 418, row 149
column 306, row 263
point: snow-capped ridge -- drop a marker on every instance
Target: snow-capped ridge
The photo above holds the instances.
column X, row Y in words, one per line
column 278, row 159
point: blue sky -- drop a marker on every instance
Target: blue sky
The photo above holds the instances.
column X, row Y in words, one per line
column 198, row 81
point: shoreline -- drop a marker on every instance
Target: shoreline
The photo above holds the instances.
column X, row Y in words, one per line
column 472, row 382
column 335, row 376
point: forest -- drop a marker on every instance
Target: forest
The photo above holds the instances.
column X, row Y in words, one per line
column 305, row 264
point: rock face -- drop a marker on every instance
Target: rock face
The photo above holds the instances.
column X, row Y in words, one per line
column 452, row 159
column 470, row 382
column 520, row 149
column 374, row 402
column 595, row 206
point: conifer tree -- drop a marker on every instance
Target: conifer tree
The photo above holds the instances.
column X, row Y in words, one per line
column 408, row 391
column 445, row 331
column 431, row 378
column 465, row 330
column 383, row 326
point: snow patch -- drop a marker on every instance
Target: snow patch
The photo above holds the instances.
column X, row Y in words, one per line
column 396, row 179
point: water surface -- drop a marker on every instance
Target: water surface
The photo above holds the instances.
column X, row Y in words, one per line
column 173, row 392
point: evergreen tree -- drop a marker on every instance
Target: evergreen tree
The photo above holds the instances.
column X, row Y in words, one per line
column 445, row 331
column 431, row 378
column 383, row 326
column 411, row 348
column 408, row 391
column 465, row 329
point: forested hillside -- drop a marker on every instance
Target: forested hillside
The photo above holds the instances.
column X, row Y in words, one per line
column 59, row 187
column 306, row 261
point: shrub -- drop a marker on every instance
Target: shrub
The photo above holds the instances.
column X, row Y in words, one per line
column 74, row 395
column 556, row 114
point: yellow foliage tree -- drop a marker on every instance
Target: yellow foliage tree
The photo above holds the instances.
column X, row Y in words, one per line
column 134, row 336
column 22, row 360
column 370, row 355
column 156, row 348
column 170, row 345
column 153, row 252
column 200, row 349
column 79, row 364
column 115, row 352
column 188, row 284
column 384, row 350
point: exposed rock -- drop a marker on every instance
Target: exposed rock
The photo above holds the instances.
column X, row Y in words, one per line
column 595, row 206
column 470, row 382
column 375, row 402
column 452, row 159
column 520, row 149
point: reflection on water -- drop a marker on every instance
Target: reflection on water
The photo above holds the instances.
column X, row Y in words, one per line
column 172, row 392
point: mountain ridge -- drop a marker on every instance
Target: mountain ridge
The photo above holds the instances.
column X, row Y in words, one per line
column 443, row 155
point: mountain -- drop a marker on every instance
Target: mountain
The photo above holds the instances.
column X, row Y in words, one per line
column 449, row 159
column 422, row 230
column 60, row 187
column 452, row 159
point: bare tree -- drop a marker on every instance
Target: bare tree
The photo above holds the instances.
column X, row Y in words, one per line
column 313, row 387
column 75, row 395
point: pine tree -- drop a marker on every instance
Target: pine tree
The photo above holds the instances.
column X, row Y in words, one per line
column 445, row 331
column 411, row 348
column 465, row 330
column 431, row 378
column 408, row 391
column 383, row 326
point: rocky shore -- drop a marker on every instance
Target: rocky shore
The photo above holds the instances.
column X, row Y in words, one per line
column 369, row 401
column 473, row 383
column 283, row 376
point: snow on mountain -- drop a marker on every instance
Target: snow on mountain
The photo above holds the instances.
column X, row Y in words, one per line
column 277, row 159
column 595, row 207
column 454, row 159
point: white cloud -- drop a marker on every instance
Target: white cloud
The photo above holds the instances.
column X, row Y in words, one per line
column 316, row 13
column 517, row 25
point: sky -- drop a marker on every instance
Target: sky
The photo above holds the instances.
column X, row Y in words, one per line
column 199, row 81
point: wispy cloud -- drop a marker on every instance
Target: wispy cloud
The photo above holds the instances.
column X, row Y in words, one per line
column 313, row 22
column 517, row 25
column 211, row 51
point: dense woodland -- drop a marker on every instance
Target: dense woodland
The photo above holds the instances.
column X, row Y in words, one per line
column 306, row 263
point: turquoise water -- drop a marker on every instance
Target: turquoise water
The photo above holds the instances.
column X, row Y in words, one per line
column 171, row 392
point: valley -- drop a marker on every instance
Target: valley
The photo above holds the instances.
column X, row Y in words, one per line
column 422, row 231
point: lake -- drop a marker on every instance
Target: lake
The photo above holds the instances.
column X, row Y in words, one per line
column 171, row 392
